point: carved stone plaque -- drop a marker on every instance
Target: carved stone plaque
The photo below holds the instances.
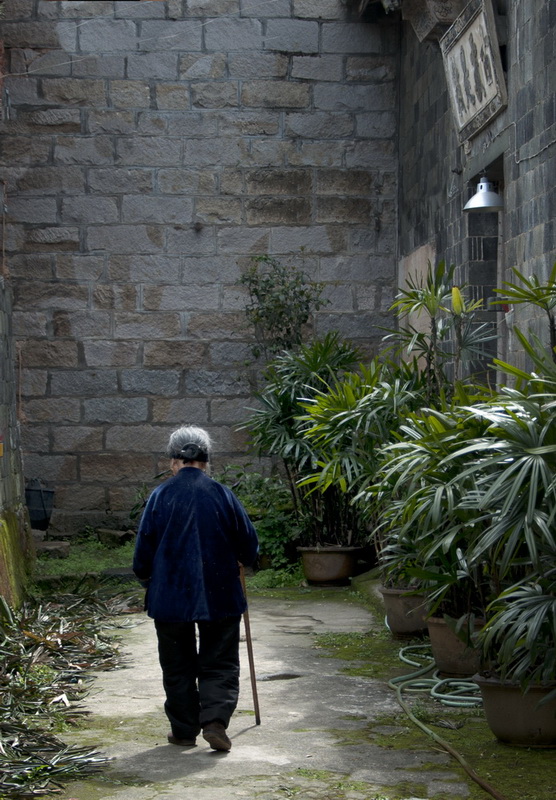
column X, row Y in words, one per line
column 473, row 68
column 430, row 18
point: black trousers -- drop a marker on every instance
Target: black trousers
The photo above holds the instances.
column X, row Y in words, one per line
column 201, row 685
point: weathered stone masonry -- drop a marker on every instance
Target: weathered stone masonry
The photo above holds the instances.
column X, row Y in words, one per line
column 151, row 149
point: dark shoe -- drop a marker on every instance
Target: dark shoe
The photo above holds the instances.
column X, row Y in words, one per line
column 215, row 734
column 181, row 742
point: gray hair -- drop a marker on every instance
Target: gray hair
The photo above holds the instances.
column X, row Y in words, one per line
column 189, row 443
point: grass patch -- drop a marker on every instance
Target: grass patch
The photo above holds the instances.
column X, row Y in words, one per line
column 85, row 558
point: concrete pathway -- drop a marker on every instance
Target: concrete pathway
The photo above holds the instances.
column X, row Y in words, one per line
column 313, row 741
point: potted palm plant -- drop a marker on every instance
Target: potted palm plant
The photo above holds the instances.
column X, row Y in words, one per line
column 328, row 522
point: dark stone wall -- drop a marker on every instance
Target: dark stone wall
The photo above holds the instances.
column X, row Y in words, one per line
column 438, row 174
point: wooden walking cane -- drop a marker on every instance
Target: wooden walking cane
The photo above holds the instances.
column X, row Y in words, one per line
column 249, row 644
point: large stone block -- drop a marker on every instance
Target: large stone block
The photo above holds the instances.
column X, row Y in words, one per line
column 229, row 411
column 23, row 150
column 206, row 383
column 117, row 468
column 318, row 68
column 292, row 35
column 74, row 267
column 34, row 266
column 181, row 298
column 379, row 153
column 212, row 269
column 213, row 94
column 346, row 181
column 67, row 120
column 312, row 239
column 87, row 209
column 23, row 92
column 115, row 410
column 41, row 353
column 234, row 34
column 80, row 324
column 193, row 66
column 148, row 66
column 27, row 60
column 174, row 354
column 84, row 382
column 191, row 241
column 371, row 69
column 33, row 382
column 254, row 8
column 348, row 210
column 376, row 125
column 226, row 354
column 106, row 35
column 351, row 37
column 120, row 180
column 278, row 210
column 318, row 154
column 278, row 181
column 144, row 268
column 162, row 382
column 125, row 238
column 275, row 94
column 219, row 209
column 161, row 36
column 153, row 123
column 249, row 123
column 51, row 180
column 18, row 9
column 148, row 151
column 75, row 439
column 211, row 152
column 93, row 66
column 75, row 8
column 22, row 209
column 136, row 438
column 103, row 353
column 375, row 97
column 193, row 124
column 186, row 181
column 126, row 10
column 129, row 94
column 53, row 410
column 39, row 294
column 50, row 239
column 147, row 326
column 31, row 323
column 162, row 210
column 33, row 34
column 263, row 65
column 110, row 122
column 320, row 125
column 241, row 240
column 213, row 8
column 74, row 91
column 214, row 326
column 319, row 9
column 121, row 297
column 172, row 96
column 182, row 411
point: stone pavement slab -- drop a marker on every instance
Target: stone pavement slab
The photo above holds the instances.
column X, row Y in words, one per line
column 313, row 739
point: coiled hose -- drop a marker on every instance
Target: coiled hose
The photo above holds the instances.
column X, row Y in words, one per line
column 449, row 691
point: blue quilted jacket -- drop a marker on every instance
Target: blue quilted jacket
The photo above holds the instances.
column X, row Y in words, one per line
column 191, row 536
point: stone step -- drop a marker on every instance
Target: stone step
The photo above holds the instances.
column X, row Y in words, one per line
column 52, row 549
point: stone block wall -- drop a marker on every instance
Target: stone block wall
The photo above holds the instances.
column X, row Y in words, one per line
column 151, row 150
column 15, row 535
column 438, row 174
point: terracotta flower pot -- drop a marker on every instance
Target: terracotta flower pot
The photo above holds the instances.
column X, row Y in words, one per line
column 405, row 613
column 329, row 565
column 451, row 654
column 515, row 717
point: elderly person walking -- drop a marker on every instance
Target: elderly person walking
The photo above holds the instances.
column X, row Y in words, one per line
column 192, row 538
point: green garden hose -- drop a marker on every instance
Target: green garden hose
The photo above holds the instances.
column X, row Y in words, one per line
column 461, row 695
